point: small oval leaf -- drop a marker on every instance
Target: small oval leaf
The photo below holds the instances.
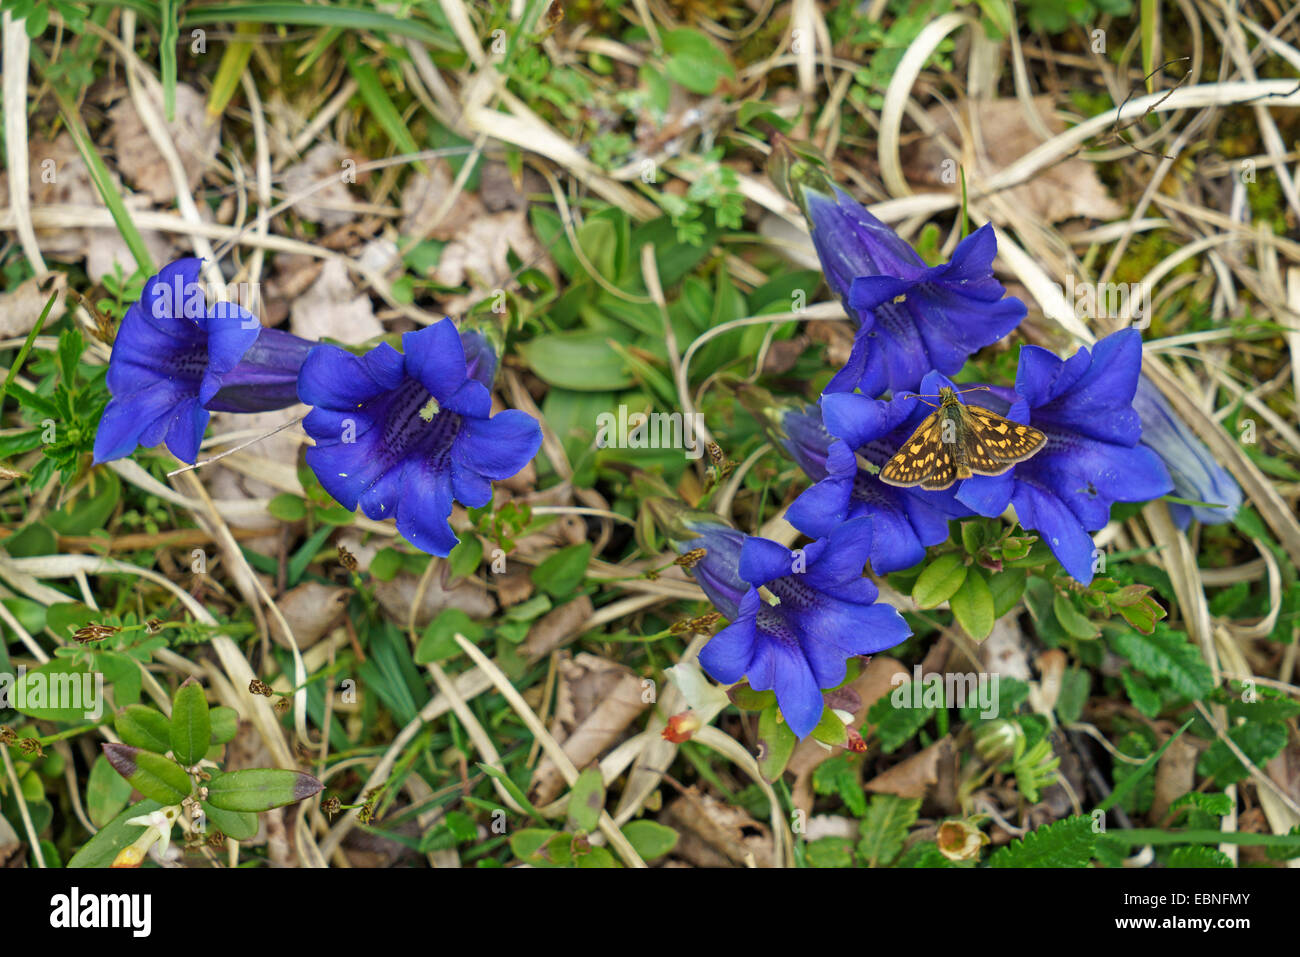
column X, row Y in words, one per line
column 260, row 789
column 191, row 727
column 151, row 774
column 940, row 581
column 236, row 825
column 143, row 727
column 225, row 722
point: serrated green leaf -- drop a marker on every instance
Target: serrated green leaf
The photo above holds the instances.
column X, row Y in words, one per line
column 1259, row 742
column 1198, row 855
column 1168, row 655
column 885, row 827
column 1068, row 842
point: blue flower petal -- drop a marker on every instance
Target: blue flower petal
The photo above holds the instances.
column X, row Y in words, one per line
column 762, row 560
column 436, row 357
column 424, row 507
column 499, row 447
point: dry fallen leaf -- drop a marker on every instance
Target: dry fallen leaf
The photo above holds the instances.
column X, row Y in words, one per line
column 914, row 776
column 21, row 307
column 1062, row 191
column 327, row 205
column 138, row 158
column 331, row 308
column 729, row 833
column 425, row 194
column 312, row 609
column 596, row 701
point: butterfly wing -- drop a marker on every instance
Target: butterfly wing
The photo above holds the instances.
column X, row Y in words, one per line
column 924, row 459
column 993, row 444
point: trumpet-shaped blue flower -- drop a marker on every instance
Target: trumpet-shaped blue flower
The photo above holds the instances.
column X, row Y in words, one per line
column 1092, row 457
column 804, row 614
column 172, row 355
column 911, row 317
column 402, row 434
column 905, row 521
column 1195, row 473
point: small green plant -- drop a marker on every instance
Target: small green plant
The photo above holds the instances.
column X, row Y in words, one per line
column 172, row 763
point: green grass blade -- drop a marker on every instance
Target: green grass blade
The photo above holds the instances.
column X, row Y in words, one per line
column 303, row 15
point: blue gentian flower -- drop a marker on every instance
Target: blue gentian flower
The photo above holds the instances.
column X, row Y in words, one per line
column 803, row 616
column 172, row 355
column 266, row 378
column 911, row 317
column 905, row 521
column 718, row 572
column 404, row 433
column 1092, row 457
column 1195, row 472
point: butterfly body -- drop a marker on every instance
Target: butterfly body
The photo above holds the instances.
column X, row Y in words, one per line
column 957, row 441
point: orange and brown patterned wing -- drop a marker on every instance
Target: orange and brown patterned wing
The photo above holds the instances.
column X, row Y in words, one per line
column 992, row 444
column 924, row 459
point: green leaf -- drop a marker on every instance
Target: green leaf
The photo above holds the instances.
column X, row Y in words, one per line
column 895, row 725
column 1075, row 623
column 140, row 726
column 466, row 556
column 438, row 641
column 940, row 580
column 527, row 842
column 1217, row 804
column 582, row 361
column 1065, row 843
column 260, row 789
column 837, row 776
column 225, row 724
column 650, row 839
column 100, row 850
column 287, row 507
column 972, row 605
column 1198, row 855
column 694, row 62
column 386, row 564
column 106, row 792
column 775, row 742
column 1130, row 782
column 1007, row 586
column 236, row 825
column 560, row 574
column 830, row 852
column 59, row 690
column 357, row 18
column 151, row 774
column 191, row 726
column 1260, row 742
column 1075, row 686
column 885, row 827
column 586, row 801
column 1166, row 654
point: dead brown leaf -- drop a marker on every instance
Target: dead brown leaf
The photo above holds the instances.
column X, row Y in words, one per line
column 1063, row 191
column 596, row 701
column 138, row 158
